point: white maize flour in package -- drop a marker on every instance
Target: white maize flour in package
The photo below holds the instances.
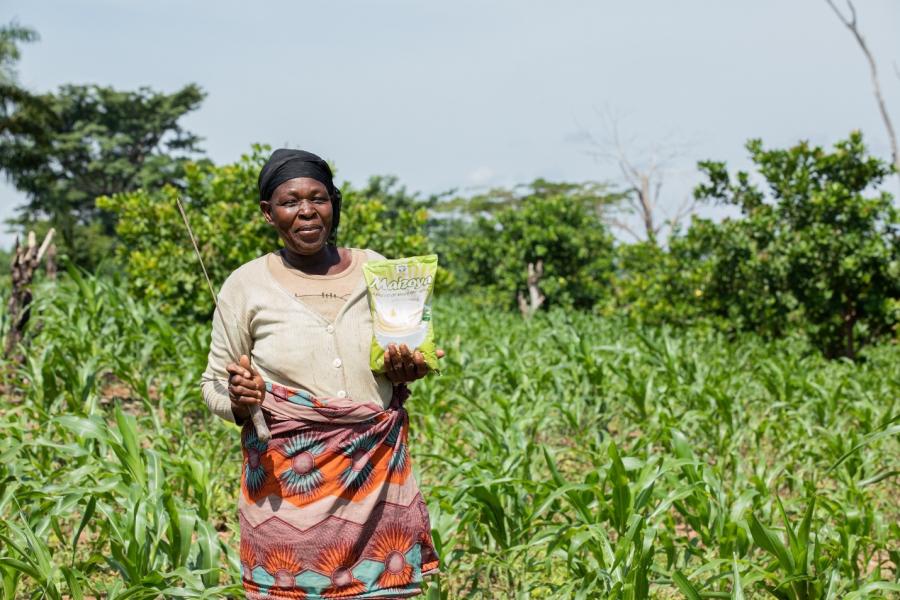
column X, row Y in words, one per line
column 400, row 292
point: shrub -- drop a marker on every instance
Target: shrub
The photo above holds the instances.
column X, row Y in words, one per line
column 820, row 251
column 490, row 255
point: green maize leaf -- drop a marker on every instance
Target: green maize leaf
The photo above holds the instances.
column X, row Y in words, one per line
column 21, row 567
column 879, row 477
column 737, row 588
column 768, row 541
column 685, row 586
column 876, row 586
column 889, row 430
column 551, row 464
column 803, row 534
column 85, row 518
column 207, row 561
column 37, row 553
column 793, row 544
column 129, row 452
column 72, row 576
column 9, row 580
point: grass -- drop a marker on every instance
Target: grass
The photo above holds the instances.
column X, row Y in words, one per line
column 565, row 457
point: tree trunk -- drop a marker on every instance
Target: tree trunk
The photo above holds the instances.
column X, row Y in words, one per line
column 647, row 208
column 849, row 318
column 24, row 263
column 529, row 306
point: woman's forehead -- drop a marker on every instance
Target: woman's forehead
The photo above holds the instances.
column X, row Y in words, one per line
column 301, row 185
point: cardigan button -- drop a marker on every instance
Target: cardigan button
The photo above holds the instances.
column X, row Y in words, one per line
column 330, row 329
column 342, row 394
column 337, row 363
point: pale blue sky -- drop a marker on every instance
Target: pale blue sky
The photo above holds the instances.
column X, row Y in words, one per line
column 480, row 93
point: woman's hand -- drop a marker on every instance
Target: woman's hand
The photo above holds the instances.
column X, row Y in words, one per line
column 245, row 387
column 402, row 366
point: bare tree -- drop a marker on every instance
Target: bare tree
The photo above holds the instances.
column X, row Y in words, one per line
column 25, row 261
column 529, row 306
column 850, row 22
column 644, row 180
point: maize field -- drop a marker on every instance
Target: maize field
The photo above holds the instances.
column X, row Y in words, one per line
column 567, row 456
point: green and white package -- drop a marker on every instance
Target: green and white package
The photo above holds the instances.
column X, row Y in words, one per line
column 400, row 293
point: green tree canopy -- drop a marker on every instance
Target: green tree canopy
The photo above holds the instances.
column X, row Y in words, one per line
column 595, row 196
column 556, row 224
column 65, row 149
column 817, row 248
column 11, row 36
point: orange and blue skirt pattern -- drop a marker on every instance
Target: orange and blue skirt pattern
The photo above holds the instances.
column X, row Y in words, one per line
column 329, row 507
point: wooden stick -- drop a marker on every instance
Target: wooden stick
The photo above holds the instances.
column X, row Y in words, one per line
column 256, row 414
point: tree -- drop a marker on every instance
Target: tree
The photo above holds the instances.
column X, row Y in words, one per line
column 384, row 216
column 819, row 253
column 656, row 285
column 13, row 98
column 65, row 149
column 643, row 178
column 11, row 36
column 594, row 196
column 561, row 237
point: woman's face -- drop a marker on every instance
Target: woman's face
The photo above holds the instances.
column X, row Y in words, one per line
column 300, row 210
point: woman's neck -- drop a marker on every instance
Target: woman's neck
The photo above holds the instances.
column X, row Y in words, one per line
column 324, row 262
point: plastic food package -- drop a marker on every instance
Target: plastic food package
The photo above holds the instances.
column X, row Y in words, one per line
column 400, row 293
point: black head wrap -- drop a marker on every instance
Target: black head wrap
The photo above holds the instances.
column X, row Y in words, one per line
column 285, row 164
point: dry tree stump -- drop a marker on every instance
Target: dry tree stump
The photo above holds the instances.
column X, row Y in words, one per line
column 25, row 261
column 530, row 305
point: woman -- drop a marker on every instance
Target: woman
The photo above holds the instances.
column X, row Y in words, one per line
column 328, row 507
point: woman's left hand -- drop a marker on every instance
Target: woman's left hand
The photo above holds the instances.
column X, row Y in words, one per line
column 402, row 366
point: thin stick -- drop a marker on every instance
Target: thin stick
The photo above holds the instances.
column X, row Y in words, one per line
column 256, row 415
column 197, row 250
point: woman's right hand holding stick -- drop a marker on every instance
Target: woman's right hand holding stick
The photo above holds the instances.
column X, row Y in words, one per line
column 246, row 387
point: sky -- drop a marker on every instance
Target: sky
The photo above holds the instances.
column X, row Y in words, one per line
column 472, row 94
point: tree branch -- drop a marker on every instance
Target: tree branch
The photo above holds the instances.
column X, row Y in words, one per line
column 851, row 24
column 624, row 227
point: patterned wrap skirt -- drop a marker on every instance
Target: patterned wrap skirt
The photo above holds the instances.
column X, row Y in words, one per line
column 329, row 507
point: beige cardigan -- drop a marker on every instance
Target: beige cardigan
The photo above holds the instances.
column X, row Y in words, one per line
column 289, row 343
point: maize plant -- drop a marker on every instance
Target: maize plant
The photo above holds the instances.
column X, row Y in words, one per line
column 566, row 456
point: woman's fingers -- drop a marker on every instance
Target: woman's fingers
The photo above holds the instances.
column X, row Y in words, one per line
column 389, row 364
column 245, row 400
column 396, row 359
column 238, row 380
column 421, row 367
column 408, row 362
column 399, row 364
column 245, row 363
column 245, row 386
column 236, row 369
column 243, row 390
column 242, row 395
column 402, row 365
column 242, row 368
